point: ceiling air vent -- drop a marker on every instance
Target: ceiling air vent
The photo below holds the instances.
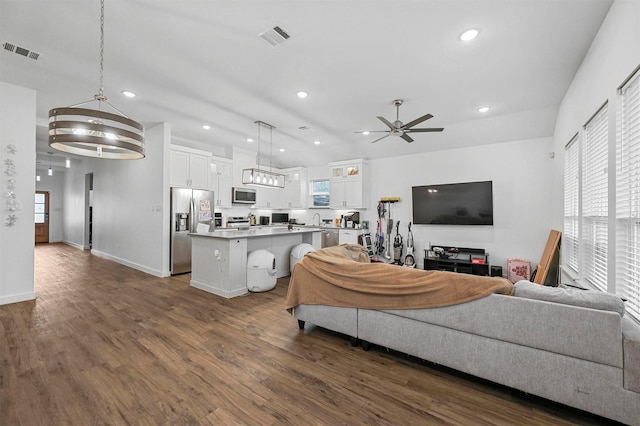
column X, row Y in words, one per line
column 20, row 51
column 274, row 36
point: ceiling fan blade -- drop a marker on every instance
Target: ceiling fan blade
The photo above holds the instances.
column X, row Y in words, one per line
column 381, row 138
column 374, row 131
column 417, row 121
column 387, row 122
column 433, row 129
column 406, row 137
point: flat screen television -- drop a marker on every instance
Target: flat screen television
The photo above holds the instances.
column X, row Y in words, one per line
column 468, row 203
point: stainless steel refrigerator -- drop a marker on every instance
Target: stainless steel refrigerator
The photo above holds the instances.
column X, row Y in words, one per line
column 191, row 211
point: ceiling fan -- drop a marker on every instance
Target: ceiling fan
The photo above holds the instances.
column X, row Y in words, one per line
column 397, row 128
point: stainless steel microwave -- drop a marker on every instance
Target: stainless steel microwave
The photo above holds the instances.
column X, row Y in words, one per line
column 243, row 195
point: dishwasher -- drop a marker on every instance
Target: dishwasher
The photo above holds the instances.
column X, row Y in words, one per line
column 330, row 237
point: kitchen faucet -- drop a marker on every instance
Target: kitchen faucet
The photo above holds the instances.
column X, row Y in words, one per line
column 314, row 218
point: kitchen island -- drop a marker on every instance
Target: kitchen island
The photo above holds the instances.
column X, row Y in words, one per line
column 219, row 258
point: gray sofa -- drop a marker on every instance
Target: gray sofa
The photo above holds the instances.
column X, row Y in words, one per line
column 579, row 356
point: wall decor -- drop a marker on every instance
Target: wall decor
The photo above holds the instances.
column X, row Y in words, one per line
column 12, row 199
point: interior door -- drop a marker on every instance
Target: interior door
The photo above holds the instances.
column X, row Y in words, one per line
column 41, row 211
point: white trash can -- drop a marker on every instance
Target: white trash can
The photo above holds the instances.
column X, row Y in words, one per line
column 261, row 271
column 297, row 253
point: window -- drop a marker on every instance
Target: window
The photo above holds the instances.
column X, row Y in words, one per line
column 40, row 208
column 628, row 195
column 595, row 200
column 320, row 193
column 571, row 234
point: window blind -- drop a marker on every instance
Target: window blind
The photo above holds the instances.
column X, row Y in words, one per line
column 595, row 200
column 628, row 196
column 571, row 235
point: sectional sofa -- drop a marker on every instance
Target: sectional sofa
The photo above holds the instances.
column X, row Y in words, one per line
column 576, row 347
column 585, row 354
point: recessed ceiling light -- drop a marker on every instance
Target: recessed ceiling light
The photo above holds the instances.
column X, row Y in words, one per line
column 484, row 109
column 316, row 142
column 206, row 126
column 302, row 94
column 469, row 35
column 281, row 149
column 366, row 132
column 249, row 140
column 128, row 94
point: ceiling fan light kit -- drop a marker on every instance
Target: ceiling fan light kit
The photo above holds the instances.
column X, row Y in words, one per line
column 95, row 132
column 398, row 128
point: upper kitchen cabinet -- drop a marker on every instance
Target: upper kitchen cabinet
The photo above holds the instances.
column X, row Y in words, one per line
column 189, row 167
column 296, row 188
column 220, row 179
column 349, row 184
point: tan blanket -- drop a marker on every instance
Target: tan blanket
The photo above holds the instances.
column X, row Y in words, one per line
column 344, row 276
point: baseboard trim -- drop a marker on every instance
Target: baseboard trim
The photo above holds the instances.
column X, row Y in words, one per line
column 15, row 298
column 125, row 262
column 217, row 291
column 72, row 244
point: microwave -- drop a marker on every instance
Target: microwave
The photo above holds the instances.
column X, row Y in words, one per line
column 243, row 195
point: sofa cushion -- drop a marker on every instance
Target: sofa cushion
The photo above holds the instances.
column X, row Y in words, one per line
column 631, row 345
column 592, row 299
column 574, row 331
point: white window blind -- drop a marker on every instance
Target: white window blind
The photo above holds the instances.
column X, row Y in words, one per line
column 628, row 196
column 595, row 200
column 571, row 234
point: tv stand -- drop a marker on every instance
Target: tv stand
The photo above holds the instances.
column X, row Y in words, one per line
column 458, row 259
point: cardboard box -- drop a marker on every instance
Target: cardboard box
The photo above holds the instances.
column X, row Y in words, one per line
column 518, row 269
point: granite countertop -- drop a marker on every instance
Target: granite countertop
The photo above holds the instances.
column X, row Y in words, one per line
column 267, row 231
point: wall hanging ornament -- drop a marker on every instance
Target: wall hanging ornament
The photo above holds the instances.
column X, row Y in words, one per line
column 10, row 170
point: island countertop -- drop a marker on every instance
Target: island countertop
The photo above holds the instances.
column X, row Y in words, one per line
column 219, row 258
column 271, row 231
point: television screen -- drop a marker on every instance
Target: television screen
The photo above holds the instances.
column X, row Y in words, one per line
column 453, row 204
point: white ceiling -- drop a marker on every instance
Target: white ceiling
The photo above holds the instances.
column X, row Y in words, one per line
column 194, row 62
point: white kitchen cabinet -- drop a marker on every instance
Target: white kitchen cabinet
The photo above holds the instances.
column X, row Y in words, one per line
column 294, row 194
column 349, row 184
column 189, row 168
column 220, row 170
column 348, row 236
column 270, row 198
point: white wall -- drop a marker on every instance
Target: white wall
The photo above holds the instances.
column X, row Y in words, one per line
column 130, row 206
column 521, row 175
column 18, row 128
column 612, row 57
column 55, row 186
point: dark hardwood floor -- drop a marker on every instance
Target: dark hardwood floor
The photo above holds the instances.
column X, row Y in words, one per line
column 106, row 344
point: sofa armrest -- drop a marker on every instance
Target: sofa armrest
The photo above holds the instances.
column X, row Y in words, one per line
column 631, row 350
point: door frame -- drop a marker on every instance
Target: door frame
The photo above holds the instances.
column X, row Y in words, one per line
column 88, row 214
column 47, row 201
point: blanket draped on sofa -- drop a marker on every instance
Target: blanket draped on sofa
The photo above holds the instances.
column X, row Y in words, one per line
column 344, row 276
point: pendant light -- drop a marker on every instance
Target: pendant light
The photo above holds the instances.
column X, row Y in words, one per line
column 50, row 171
column 94, row 132
column 258, row 176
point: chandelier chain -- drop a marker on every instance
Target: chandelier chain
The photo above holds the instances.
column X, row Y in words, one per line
column 270, row 146
column 258, row 157
column 100, row 96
